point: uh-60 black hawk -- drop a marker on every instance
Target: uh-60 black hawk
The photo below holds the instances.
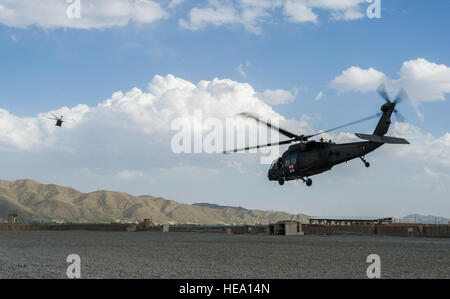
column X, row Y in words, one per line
column 59, row 120
column 306, row 158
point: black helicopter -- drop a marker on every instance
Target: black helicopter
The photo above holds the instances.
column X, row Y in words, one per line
column 307, row 158
column 59, row 120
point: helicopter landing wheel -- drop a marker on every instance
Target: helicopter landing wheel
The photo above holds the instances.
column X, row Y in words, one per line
column 281, row 182
column 308, row 182
column 367, row 164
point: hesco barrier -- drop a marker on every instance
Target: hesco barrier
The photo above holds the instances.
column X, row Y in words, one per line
column 62, row 227
column 14, row 227
column 257, row 229
column 399, row 230
column 442, row 231
column 417, row 230
column 196, row 229
column 405, row 230
column 309, row 229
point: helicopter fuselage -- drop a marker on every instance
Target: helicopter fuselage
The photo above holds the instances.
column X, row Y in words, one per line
column 307, row 159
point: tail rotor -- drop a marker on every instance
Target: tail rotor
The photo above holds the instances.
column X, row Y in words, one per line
column 401, row 97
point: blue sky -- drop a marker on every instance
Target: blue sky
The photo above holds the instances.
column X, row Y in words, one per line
column 46, row 67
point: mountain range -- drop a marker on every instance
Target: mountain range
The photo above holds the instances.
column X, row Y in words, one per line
column 430, row 219
column 36, row 202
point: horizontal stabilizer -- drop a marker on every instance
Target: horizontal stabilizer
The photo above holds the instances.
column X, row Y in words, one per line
column 383, row 139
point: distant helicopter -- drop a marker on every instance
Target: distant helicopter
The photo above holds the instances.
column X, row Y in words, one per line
column 59, row 120
column 307, row 158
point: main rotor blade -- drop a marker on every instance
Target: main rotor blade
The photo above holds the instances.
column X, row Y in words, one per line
column 260, row 146
column 54, row 115
column 282, row 131
column 383, row 93
column 399, row 116
column 401, row 96
column 347, row 125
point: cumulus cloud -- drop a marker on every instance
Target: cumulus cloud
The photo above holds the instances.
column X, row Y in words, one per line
column 357, row 79
column 217, row 14
column 24, row 134
column 99, row 14
column 299, row 12
column 425, row 147
column 251, row 14
column 423, row 80
column 149, row 113
column 278, row 96
column 93, row 13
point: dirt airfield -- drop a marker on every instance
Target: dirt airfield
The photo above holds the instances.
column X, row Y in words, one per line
column 204, row 255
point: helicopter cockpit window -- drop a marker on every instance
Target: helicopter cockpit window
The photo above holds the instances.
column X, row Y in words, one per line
column 274, row 165
column 290, row 160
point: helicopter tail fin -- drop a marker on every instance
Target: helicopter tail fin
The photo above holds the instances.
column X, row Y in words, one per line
column 383, row 139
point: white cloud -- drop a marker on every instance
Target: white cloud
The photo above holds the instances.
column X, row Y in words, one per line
column 129, row 175
column 218, row 14
column 298, row 12
column 423, row 80
column 278, row 96
column 319, row 96
column 174, row 3
column 251, row 14
column 348, row 15
column 99, row 14
column 148, row 113
column 424, row 147
column 241, row 71
column 17, row 133
column 94, row 13
column 357, row 79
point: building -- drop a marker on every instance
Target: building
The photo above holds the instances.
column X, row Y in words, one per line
column 286, row 228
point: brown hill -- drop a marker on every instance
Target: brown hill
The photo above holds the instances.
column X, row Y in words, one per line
column 34, row 201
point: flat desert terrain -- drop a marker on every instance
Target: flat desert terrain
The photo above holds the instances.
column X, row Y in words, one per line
column 196, row 255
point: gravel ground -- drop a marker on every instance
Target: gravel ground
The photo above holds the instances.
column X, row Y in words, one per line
column 196, row 255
